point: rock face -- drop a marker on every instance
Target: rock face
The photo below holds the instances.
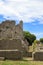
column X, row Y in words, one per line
column 12, row 44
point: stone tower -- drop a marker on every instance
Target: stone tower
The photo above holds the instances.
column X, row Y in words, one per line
column 21, row 24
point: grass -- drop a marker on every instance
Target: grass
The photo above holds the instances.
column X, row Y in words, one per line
column 21, row 62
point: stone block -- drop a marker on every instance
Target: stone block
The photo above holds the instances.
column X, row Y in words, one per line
column 38, row 56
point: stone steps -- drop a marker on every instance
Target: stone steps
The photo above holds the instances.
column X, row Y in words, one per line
column 2, row 58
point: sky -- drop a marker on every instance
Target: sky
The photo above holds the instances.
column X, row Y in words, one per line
column 30, row 11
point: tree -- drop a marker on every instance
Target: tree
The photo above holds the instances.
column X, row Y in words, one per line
column 30, row 37
column 41, row 40
column 35, row 44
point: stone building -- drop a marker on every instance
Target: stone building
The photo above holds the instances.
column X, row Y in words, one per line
column 12, row 43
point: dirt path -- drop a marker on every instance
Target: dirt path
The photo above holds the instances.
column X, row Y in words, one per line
column 28, row 58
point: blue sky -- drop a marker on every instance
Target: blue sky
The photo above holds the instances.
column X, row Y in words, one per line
column 30, row 11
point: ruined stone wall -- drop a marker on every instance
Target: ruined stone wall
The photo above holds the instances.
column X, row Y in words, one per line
column 11, row 38
column 12, row 49
column 38, row 56
column 8, row 29
column 38, row 53
column 11, row 54
column 11, row 44
column 18, row 32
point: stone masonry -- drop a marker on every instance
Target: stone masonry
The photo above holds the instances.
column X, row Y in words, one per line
column 12, row 43
column 8, row 29
column 38, row 53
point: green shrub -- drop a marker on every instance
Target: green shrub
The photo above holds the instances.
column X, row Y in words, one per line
column 35, row 44
column 41, row 40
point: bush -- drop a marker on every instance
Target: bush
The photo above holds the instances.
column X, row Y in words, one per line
column 41, row 40
column 29, row 37
column 35, row 44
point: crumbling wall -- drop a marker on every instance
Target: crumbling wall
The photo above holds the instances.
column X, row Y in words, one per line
column 10, row 44
column 11, row 49
column 11, row 38
column 8, row 29
column 38, row 56
column 11, row 54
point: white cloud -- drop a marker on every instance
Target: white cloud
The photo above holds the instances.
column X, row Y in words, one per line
column 41, row 20
column 26, row 10
column 39, row 35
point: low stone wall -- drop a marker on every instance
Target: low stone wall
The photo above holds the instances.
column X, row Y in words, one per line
column 11, row 54
column 8, row 47
column 11, row 49
column 38, row 56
